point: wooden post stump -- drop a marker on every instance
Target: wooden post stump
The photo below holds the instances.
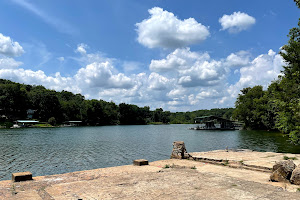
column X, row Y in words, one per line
column 140, row 162
column 21, row 176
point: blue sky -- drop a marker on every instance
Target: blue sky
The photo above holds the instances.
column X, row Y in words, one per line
column 178, row 55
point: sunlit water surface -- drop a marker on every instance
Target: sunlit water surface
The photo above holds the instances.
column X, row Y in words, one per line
column 46, row 151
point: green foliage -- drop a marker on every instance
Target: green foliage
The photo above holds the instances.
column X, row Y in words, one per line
column 189, row 117
column 57, row 107
column 13, row 99
column 167, row 166
column 289, row 158
column 279, row 106
column 225, row 163
column 253, row 109
column 159, row 116
column 132, row 114
column 297, row 3
column 52, row 121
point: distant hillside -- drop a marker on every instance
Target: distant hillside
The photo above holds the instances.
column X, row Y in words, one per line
column 20, row 101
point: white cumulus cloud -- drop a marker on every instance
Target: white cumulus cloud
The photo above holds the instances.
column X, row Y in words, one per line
column 158, row 82
column 239, row 59
column 101, row 75
column 81, row 48
column 179, row 59
column 163, row 29
column 10, row 48
column 260, row 71
column 7, row 63
column 236, row 22
column 192, row 68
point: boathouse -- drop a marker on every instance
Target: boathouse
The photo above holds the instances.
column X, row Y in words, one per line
column 214, row 123
column 26, row 123
column 72, row 123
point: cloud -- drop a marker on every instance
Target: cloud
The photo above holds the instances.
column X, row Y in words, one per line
column 210, row 93
column 88, row 58
column 8, row 63
column 131, row 66
column 192, row 68
column 163, row 29
column 10, row 48
column 61, row 59
column 81, row 48
column 178, row 60
column 158, row 82
column 236, row 22
column 239, row 59
column 183, row 81
column 260, row 71
column 202, row 74
column 58, row 24
column 100, row 75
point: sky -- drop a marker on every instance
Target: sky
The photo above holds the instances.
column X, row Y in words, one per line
column 171, row 54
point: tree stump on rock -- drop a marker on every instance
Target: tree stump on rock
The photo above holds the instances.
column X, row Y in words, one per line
column 179, row 151
column 282, row 171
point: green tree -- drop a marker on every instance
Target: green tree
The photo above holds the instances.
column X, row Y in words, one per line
column 279, row 107
column 288, row 97
column 251, row 107
column 13, row 100
column 132, row 114
column 52, row 121
column 45, row 102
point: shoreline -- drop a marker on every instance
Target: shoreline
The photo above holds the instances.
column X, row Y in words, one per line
column 216, row 174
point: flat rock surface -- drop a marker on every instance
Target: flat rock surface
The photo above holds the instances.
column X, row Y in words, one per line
column 262, row 159
column 166, row 179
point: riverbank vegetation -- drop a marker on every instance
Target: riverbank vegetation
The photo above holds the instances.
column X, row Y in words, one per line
column 20, row 101
column 278, row 107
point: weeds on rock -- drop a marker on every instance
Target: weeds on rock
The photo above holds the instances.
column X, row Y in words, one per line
column 289, row 158
column 226, row 162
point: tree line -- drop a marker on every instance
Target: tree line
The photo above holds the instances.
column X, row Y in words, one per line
column 278, row 107
column 57, row 107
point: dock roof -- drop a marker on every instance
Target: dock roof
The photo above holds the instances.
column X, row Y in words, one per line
column 211, row 117
column 27, row 121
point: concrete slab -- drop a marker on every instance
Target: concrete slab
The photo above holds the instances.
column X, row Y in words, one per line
column 140, row 162
column 21, row 176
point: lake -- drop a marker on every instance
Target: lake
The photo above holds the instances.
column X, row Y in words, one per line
column 46, row 151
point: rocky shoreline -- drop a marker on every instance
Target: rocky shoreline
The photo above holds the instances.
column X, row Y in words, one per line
column 221, row 174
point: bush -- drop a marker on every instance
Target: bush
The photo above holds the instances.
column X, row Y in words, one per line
column 52, row 121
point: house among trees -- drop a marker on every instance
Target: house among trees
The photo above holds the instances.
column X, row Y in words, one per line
column 30, row 113
column 213, row 123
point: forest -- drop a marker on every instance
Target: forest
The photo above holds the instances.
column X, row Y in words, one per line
column 278, row 107
column 57, row 107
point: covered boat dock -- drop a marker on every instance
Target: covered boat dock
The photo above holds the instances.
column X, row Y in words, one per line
column 213, row 123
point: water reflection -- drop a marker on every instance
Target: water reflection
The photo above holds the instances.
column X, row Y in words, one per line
column 266, row 141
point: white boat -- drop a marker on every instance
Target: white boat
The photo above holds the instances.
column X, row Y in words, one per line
column 15, row 126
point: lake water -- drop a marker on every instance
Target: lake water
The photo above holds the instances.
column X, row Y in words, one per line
column 46, row 151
